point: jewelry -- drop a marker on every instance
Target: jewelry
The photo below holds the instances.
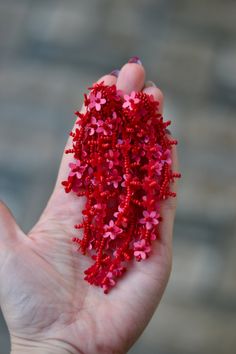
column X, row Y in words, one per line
column 122, row 165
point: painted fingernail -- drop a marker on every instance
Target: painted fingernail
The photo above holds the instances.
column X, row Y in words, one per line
column 135, row 60
column 150, row 84
column 115, row 73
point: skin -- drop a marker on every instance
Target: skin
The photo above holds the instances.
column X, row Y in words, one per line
column 47, row 305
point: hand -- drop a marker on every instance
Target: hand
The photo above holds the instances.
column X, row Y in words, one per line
column 47, row 305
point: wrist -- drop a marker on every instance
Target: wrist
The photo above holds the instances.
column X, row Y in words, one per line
column 45, row 347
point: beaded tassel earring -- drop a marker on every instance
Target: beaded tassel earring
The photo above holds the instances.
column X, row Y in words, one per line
column 122, row 165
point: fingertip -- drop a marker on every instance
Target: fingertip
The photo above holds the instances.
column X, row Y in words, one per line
column 131, row 78
column 157, row 94
column 108, row 79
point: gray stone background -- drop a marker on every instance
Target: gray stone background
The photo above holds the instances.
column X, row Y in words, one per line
column 50, row 51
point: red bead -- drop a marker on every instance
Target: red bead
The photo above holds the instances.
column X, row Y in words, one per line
column 122, row 166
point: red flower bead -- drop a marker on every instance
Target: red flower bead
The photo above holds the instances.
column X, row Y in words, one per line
column 122, row 165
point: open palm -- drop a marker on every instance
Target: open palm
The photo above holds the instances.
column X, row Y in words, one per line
column 45, row 301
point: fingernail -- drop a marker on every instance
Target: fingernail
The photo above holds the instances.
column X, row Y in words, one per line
column 135, row 60
column 150, row 84
column 115, row 73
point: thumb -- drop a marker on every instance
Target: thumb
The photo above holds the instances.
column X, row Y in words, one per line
column 10, row 232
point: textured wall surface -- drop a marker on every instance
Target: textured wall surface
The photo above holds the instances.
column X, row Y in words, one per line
column 50, row 51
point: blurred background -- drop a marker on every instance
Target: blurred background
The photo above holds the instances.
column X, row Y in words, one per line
column 51, row 51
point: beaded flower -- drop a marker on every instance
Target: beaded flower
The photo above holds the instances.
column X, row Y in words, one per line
column 122, row 166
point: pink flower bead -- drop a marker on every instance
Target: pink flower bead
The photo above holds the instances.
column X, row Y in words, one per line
column 96, row 101
column 150, row 219
column 141, row 250
column 77, row 169
column 130, row 100
column 111, row 230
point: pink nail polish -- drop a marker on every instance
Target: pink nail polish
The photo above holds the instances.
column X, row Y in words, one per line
column 135, row 60
column 150, row 84
column 115, row 73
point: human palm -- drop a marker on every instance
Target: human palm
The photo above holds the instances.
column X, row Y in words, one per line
column 47, row 304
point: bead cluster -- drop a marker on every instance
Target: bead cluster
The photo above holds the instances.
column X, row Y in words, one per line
column 122, row 165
